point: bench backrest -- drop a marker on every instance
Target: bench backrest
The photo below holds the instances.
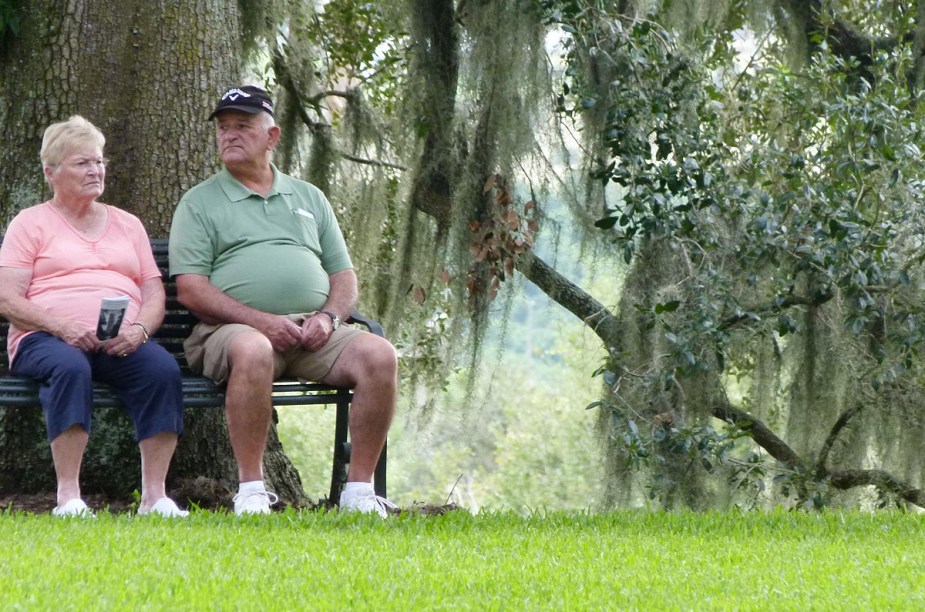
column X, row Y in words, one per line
column 178, row 321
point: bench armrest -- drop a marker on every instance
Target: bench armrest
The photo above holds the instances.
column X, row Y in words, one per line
column 370, row 324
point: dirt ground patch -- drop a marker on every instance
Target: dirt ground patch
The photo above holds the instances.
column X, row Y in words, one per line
column 39, row 503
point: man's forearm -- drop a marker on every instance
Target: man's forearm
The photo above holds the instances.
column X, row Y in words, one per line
column 212, row 305
column 343, row 293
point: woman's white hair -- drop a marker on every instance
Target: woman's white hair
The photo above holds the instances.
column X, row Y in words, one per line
column 63, row 137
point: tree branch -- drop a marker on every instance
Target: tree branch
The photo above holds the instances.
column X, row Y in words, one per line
column 848, row 479
column 316, row 99
column 839, row 479
column 840, row 424
column 842, row 37
column 571, row 297
column 779, row 305
column 760, row 433
column 284, row 77
column 370, row 162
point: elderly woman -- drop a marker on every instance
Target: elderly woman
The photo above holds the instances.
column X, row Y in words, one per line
column 59, row 259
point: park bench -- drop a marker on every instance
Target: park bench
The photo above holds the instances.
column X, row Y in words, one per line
column 200, row 392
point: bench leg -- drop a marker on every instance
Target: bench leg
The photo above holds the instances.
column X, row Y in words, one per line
column 341, row 447
column 379, row 479
column 342, row 453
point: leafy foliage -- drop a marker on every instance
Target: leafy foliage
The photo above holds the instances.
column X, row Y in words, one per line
column 767, row 207
column 9, row 18
column 499, row 239
column 358, row 44
column 782, row 199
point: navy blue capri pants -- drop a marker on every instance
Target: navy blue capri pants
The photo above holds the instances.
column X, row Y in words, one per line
column 147, row 381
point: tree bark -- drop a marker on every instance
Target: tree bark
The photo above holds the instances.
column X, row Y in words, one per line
column 436, row 57
column 848, row 479
column 146, row 72
column 917, row 79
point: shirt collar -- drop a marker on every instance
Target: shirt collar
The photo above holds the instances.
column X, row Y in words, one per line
column 235, row 191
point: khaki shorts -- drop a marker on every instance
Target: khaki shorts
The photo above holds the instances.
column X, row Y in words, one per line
column 207, row 351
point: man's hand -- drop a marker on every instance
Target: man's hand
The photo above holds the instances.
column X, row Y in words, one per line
column 316, row 330
column 282, row 333
column 215, row 307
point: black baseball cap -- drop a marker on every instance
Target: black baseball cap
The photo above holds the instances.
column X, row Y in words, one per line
column 246, row 98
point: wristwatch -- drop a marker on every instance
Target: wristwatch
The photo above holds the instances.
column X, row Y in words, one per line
column 334, row 318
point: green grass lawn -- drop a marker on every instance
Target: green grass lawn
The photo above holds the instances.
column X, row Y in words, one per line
column 328, row 561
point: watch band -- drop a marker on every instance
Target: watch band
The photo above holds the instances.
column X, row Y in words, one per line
column 334, row 318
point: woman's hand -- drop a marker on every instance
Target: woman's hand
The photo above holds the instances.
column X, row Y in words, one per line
column 126, row 343
column 77, row 335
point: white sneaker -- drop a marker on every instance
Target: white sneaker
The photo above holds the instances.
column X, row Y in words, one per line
column 254, row 502
column 165, row 507
column 366, row 504
column 75, row 507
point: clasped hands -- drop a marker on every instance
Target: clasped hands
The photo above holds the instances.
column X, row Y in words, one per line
column 285, row 333
column 123, row 345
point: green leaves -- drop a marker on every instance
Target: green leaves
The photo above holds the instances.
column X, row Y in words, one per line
column 780, row 204
column 9, row 18
column 667, row 307
column 812, row 187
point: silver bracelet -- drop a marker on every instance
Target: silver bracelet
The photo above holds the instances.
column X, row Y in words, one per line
column 144, row 330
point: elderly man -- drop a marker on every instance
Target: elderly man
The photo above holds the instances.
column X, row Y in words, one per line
column 258, row 256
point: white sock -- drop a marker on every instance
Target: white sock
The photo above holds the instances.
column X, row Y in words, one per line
column 358, row 489
column 253, row 485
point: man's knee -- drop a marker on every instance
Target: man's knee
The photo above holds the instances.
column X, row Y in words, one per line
column 377, row 358
column 386, row 356
column 251, row 351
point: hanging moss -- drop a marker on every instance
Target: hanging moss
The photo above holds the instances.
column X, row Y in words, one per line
column 321, row 160
column 500, row 123
column 257, row 20
column 287, row 155
column 764, row 395
column 407, row 174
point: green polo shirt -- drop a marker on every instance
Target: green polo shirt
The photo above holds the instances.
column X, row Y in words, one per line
column 273, row 253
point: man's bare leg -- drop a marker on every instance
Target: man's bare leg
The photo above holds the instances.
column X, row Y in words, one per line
column 248, row 402
column 370, row 366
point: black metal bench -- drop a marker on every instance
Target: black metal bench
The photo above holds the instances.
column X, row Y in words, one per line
column 199, row 391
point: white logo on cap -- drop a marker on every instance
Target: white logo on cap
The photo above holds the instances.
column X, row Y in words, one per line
column 234, row 94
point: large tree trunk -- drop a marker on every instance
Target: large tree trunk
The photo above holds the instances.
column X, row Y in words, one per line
column 146, row 72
